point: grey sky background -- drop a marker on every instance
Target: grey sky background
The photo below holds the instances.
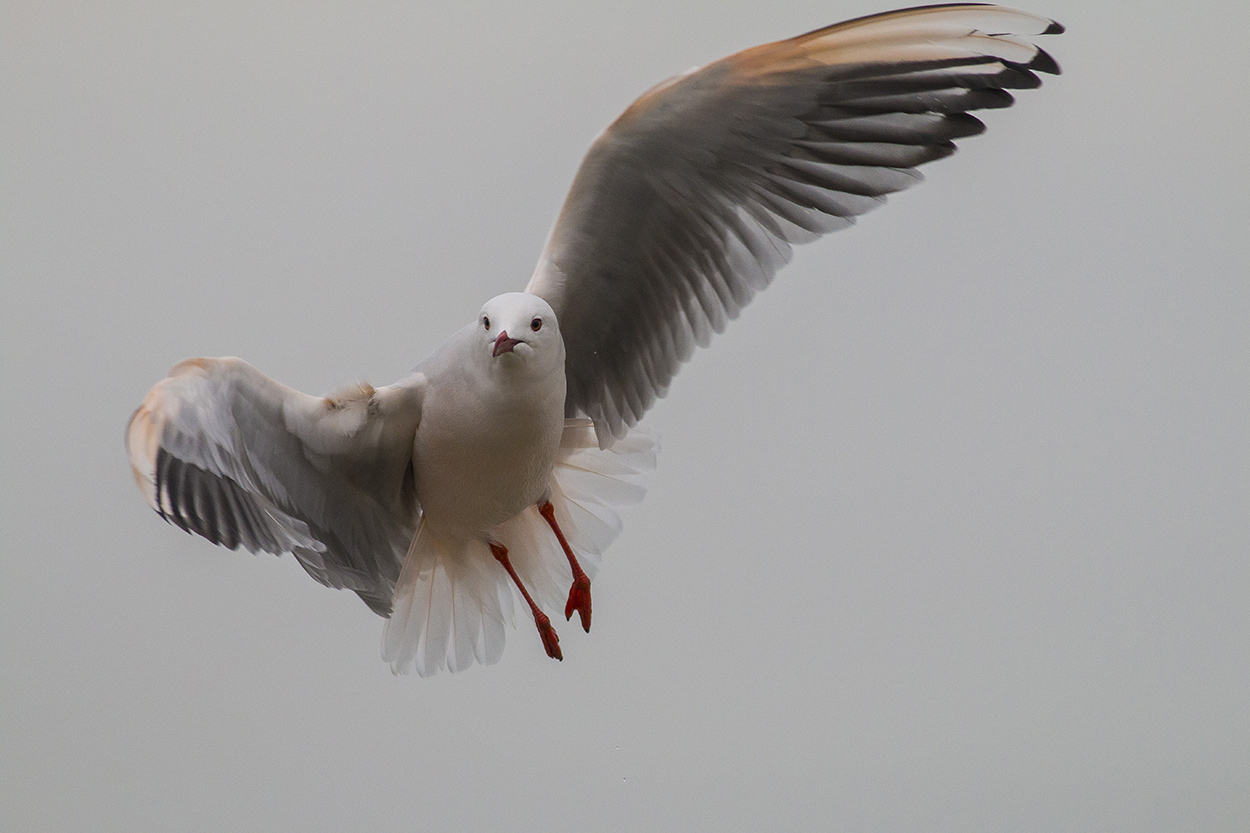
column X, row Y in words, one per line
column 949, row 531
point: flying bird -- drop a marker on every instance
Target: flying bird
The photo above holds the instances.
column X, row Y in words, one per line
column 494, row 471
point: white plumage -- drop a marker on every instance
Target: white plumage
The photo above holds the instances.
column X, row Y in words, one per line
column 497, row 467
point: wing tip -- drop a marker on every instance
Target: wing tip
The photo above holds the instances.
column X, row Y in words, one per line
column 1044, row 62
column 143, row 433
column 147, row 425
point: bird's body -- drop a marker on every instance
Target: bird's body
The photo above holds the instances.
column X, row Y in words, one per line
column 488, row 439
column 500, row 462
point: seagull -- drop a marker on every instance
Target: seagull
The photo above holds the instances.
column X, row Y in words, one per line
column 498, row 467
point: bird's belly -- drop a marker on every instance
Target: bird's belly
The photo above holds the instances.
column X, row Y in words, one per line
column 473, row 478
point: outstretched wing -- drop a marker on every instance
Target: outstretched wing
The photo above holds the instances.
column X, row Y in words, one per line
column 687, row 205
column 221, row 450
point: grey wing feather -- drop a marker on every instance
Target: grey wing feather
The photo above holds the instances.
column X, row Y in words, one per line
column 686, row 206
column 223, row 451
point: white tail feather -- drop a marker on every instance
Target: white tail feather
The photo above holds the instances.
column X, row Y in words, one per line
column 451, row 602
column 449, row 608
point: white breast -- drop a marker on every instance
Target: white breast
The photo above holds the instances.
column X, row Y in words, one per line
column 485, row 451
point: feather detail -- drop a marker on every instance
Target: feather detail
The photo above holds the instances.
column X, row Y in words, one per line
column 689, row 203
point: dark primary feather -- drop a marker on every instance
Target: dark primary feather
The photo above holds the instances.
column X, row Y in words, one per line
column 215, row 507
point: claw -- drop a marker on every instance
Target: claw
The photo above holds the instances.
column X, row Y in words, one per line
column 551, row 640
column 579, row 600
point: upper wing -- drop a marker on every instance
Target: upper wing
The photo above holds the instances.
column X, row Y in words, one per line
column 688, row 203
column 221, row 450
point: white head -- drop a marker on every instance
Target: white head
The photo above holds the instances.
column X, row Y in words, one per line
column 517, row 329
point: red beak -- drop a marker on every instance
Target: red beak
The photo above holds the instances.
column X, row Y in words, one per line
column 503, row 344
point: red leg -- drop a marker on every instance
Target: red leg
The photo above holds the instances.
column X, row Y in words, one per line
column 579, row 593
column 551, row 642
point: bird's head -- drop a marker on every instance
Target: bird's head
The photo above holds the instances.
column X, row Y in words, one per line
column 519, row 328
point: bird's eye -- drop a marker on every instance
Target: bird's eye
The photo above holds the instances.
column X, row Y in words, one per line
column 486, row 322
column 536, row 324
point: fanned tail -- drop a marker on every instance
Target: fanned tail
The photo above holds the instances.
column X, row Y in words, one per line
column 451, row 602
column 449, row 608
